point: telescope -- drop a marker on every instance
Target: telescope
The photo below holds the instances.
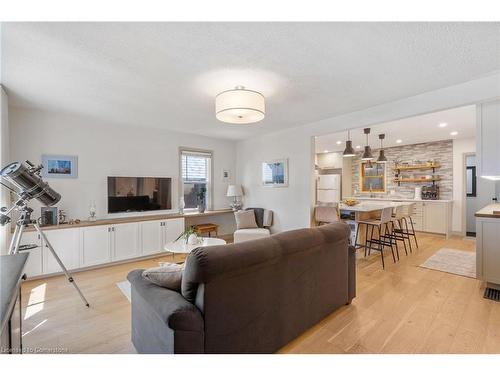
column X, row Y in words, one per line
column 27, row 185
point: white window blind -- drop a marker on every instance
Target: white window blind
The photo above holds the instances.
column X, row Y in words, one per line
column 196, row 177
column 195, row 167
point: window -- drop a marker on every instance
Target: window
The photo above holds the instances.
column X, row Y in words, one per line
column 196, row 178
column 373, row 179
column 471, row 181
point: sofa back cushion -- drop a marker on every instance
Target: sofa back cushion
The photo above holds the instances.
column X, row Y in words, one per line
column 256, row 296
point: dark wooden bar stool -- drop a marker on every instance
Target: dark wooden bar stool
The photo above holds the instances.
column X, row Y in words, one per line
column 383, row 238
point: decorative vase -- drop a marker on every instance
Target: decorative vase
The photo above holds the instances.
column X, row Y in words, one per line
column 182, row 205
column 192, row 239
column 201, row 207
column 92, row 211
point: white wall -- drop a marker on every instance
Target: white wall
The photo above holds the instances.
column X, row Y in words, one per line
column 460, row 147
column 105, row 149
column 4, row 159
column 292, row 205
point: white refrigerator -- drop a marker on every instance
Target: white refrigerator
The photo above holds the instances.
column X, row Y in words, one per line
column 328, row 188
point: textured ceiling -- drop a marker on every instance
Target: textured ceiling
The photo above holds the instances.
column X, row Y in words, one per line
column 412, row 130
column 166, row 75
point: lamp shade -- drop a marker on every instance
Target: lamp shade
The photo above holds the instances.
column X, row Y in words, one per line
column 367, row 155
column 349, row 151
column 234, row 191
column 240, row 106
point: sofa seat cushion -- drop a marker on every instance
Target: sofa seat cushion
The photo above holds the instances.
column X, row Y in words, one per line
column 242, row 235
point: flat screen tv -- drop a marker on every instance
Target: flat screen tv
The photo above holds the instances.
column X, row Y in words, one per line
column 135, row 194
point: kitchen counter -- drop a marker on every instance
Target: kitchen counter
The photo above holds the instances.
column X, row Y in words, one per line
column 11, row 272
column 489, row 211
column 395, row 199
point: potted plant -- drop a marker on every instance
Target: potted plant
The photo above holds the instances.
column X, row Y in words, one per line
column 190, row 235
column 201, row 196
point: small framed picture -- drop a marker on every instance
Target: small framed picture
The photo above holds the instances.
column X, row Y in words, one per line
column 60, row 166
column 275, row 173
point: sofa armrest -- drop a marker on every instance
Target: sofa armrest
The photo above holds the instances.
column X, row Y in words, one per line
column 351, row 273
column 170, row 305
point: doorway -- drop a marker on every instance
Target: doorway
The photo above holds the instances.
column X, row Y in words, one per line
column 470, row 194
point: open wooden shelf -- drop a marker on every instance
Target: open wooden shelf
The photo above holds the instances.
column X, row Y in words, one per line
column 421, row 167
column 399, row 180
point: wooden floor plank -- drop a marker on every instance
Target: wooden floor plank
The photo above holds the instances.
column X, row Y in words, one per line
column 402, row 309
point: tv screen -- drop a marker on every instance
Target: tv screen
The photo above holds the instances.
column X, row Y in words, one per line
column 129, row 194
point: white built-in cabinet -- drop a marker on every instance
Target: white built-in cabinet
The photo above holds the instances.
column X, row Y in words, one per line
column 65, row 244
column 35, row 260
column 95, row 245
column 125, row 241
column 488, row 139
column 155, row 234
column 100, row 244
column 152, row 236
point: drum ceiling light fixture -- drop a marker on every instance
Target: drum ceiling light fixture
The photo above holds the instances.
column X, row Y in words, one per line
column 240, row 106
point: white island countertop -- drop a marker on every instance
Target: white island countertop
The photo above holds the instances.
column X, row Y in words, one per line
column 371, row 206
column 396, row 199
column 491, row 211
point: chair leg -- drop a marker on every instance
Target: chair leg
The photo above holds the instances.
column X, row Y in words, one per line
column 403, row 236
column 381, row 248
column 413, row 232
column 356, row 238
column 371, row 238
column 390, row 243
column 408, row 234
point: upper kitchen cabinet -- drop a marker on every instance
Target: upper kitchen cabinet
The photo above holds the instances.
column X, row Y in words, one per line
column 330, row 160
column 488, row 140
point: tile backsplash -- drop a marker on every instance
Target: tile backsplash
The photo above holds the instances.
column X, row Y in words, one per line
column 441, row 152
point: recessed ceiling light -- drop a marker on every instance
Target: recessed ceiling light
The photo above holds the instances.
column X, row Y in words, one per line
column 325, row 151
column 453, row 133
column 443, row 125
column 339, row 142
column 358, row 146
column 399, row 140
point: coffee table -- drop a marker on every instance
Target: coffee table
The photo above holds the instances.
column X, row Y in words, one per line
column 181, row 247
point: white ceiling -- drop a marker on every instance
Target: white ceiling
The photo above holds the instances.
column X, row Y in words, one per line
column 166, row 75
column 418, row 129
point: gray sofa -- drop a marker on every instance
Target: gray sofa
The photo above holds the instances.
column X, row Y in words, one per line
column 250, row 297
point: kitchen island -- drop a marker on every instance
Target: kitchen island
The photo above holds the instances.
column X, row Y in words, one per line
column 363, row 211
column 488, row 244
column 431, row 216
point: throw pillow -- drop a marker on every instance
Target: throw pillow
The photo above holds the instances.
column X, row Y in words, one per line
column 167, row 276
column 245, row 219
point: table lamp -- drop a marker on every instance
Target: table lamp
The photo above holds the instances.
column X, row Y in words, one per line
column 236, row 192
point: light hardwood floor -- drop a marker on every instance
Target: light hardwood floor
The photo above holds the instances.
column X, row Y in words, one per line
column 404, row 309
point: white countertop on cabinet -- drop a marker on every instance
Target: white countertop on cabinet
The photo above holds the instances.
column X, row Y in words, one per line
column 395, row 199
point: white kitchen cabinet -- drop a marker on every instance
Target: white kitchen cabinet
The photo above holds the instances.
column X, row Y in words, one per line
column 34, row 265
column 330, row 160
column 417, row 216
column 488, row 139
column 125, row 241
column 66, row 245
column 151, row 236
column 172, row 229
column 487, row 249
column 434, row 217
column 95, row 245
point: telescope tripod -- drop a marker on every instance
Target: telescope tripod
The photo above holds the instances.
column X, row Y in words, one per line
column 15, row 245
